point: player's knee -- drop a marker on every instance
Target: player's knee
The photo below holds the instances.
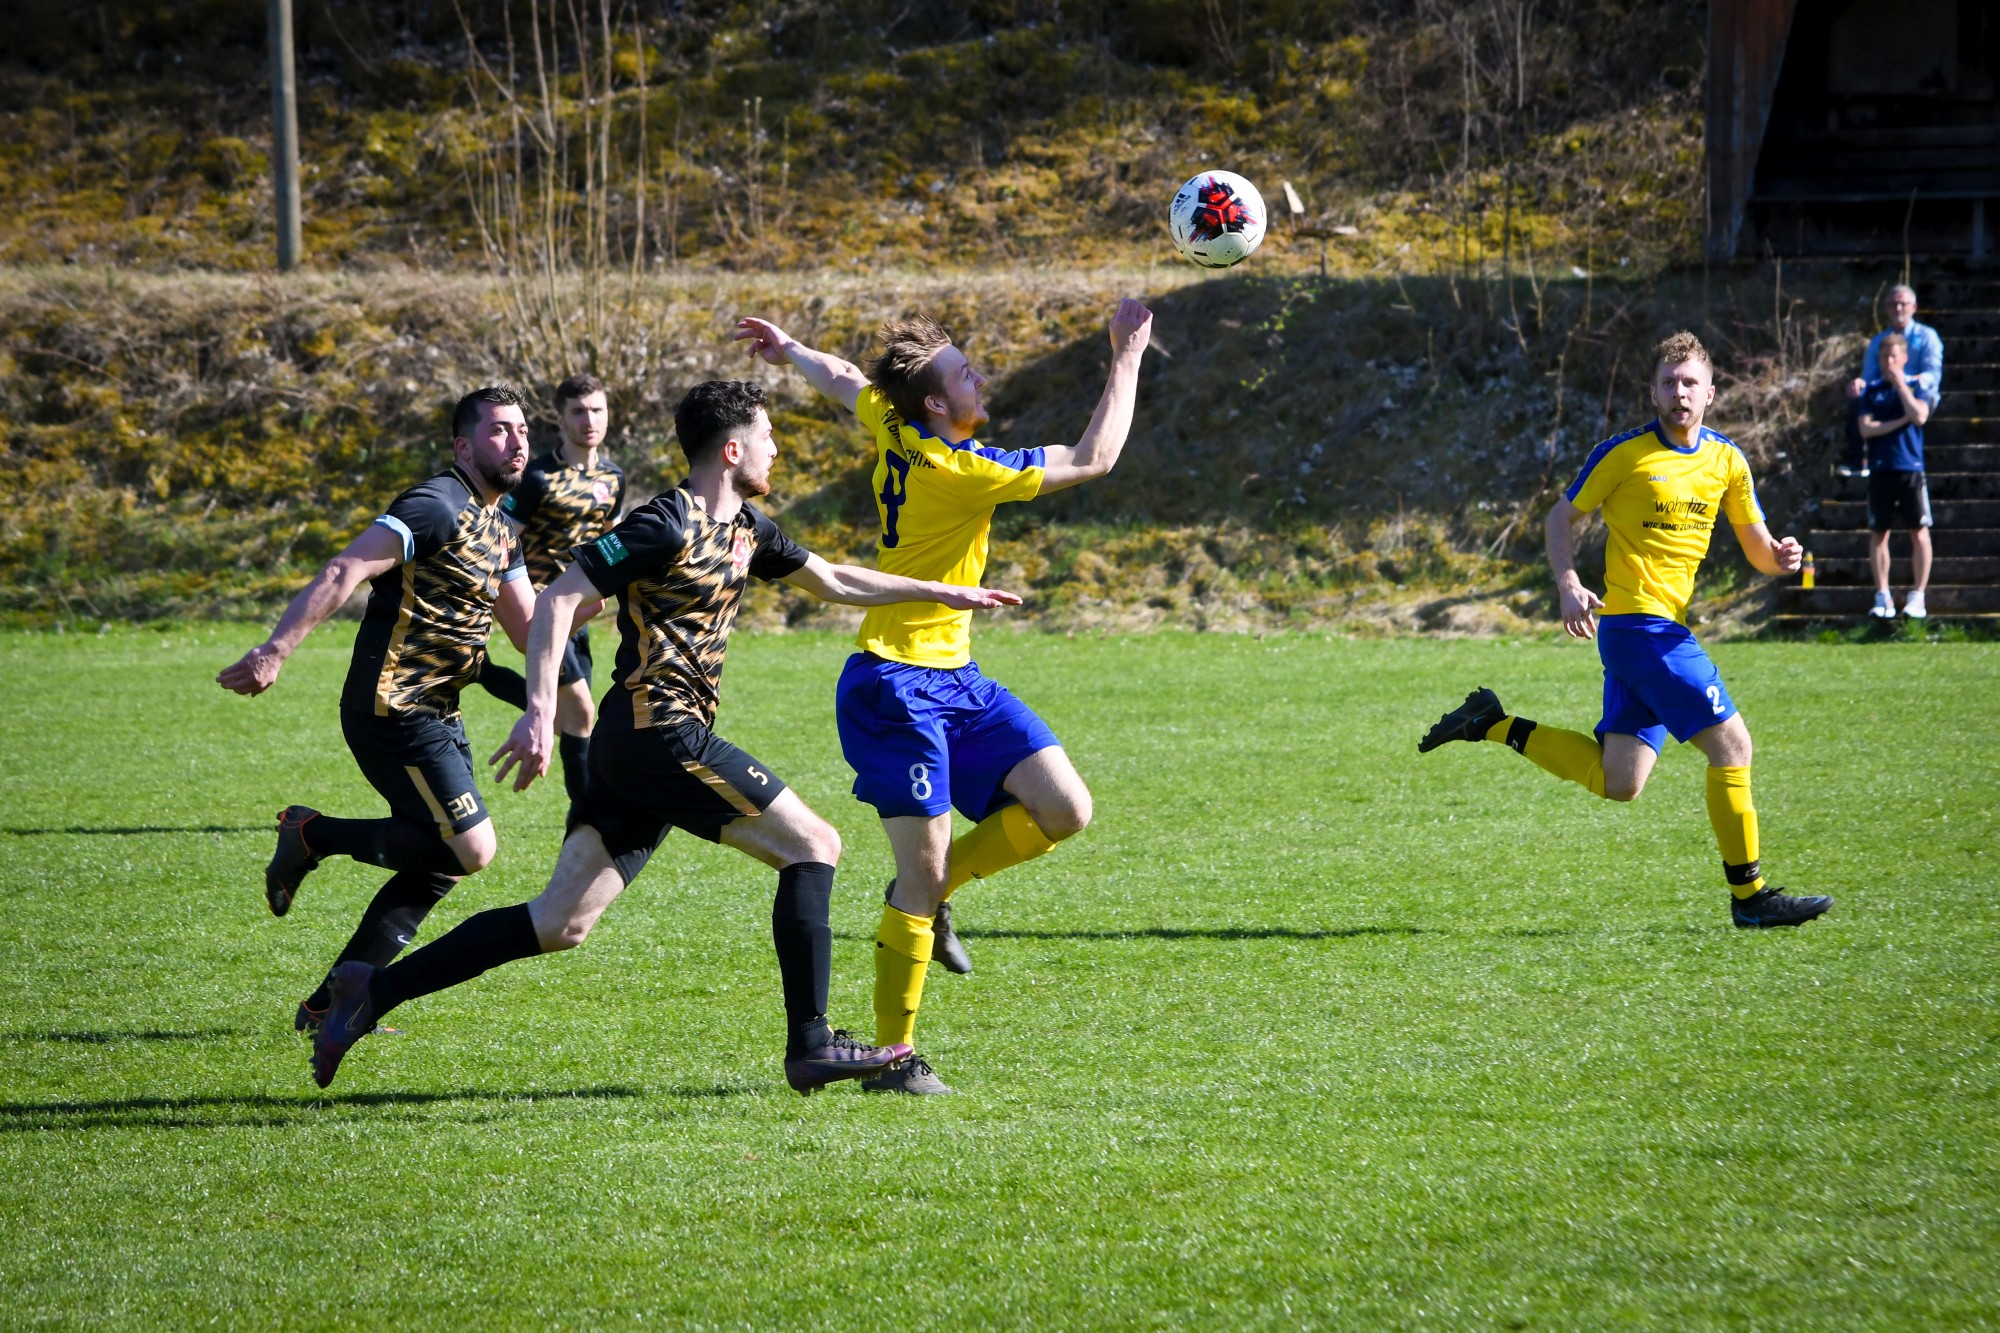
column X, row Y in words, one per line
column 1623, row 790
column 822, row 844
column 1067, row 817
column 568, row 935
column 476, row 848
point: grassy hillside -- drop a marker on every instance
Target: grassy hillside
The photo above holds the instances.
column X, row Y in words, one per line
column 1371, row 452
column 796, row 131
column 1359, row 425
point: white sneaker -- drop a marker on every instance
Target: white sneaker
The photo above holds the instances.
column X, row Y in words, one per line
column 1914, row 607
column 1884, row 608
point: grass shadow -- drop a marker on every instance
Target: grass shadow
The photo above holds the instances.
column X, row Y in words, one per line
column 262, row 1109
column 114, row 1037
column 135, row 830
column 1202, row 933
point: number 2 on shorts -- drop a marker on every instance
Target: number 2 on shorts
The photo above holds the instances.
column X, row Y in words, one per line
column 1715, row 699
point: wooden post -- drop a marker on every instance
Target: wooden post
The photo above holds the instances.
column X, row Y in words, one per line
column 284, row 134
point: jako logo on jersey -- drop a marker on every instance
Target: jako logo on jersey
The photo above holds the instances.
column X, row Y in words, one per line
column 1656, row 479
column 740, row 548
column 610, row 548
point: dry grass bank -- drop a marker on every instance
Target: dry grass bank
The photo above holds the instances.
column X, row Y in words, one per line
column 1369, row 454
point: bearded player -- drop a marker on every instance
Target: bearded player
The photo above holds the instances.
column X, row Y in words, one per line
column 567, row 497
column 923, row 730
column 437, row 561
column 1661, row 488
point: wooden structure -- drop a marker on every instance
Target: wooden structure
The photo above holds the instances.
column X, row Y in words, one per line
column 284, row 134
column 1853, row 127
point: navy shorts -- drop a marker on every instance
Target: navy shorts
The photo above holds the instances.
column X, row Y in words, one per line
column 1657, row 680
column 645, row 781
column 421, row 765
column 576, row 663
column 1894, row 494
column 922, row 740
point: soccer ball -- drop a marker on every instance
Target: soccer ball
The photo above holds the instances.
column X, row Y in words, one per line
column 1217, row 219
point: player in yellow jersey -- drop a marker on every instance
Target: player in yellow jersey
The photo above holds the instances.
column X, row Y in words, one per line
column 923, row 730
column 1661, row 488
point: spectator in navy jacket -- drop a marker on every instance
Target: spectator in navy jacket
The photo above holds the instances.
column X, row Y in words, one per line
column 1891, row 419
column 1925, row 371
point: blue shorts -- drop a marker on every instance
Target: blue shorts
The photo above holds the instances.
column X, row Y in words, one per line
column 1657, row 680
column 922, row 739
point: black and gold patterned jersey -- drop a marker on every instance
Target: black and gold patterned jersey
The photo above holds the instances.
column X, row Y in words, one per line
column 560, row 506
column 423, row 636
column 679, row 577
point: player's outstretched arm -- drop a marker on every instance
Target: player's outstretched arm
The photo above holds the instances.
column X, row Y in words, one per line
column 1579, row 604
column 1104, row 439
column 514, row 608
column 834, row 378
column 374, row 553
column 857, row 586
column 1768, row 554
column 558, row 611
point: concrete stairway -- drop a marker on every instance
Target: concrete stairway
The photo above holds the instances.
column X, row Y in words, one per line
column 1962, row 461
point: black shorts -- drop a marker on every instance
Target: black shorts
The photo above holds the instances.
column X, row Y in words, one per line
column 421, row 765
column 646, row 780
column 576, row 663
column 1890, row 493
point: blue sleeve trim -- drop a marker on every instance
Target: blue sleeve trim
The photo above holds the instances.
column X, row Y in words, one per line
column 1597, row 456
column 1018, row 459
column 513, row 572
column 401, row 529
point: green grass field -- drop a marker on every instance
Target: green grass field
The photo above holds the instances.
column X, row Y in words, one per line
column 1304, row 1031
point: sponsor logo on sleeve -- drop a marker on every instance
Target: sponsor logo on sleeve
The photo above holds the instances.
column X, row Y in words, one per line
column 610, row 548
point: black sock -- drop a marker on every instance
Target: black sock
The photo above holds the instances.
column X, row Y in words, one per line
column 505, row 684
column 392, row 843
column 575, row 751
column 803, row 933
column 390, row 923
column 477, row 944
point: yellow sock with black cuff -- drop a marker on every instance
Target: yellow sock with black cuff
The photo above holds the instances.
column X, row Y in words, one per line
column 1569, row 755
column 902, row 956
column 1004, row 838
column 1734, row 819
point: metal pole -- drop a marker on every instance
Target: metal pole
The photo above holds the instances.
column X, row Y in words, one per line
column 284, row 134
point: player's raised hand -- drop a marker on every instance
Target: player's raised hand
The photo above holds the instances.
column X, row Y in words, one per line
column 254, row 672
column 976, row 599
column 1131, row 326
column 1789, row 553
column 766, row 340
column 1579, row 610
column 528, row 744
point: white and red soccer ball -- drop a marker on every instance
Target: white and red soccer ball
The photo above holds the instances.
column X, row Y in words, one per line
column 1217, row 219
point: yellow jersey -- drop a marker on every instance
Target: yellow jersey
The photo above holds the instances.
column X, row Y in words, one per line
column 1660, row 504
column 936, row 501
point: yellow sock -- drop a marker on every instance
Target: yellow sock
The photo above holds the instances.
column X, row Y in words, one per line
column 1735, row 823
column 1004, row 838
column 1567, row 754
column 902, row 955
